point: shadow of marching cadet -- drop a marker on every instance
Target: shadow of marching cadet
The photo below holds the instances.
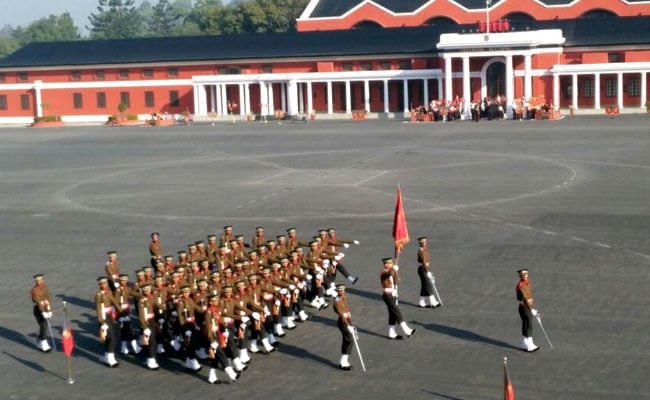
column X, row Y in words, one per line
column 466, row 335
column 19, row 338
column 77, row 301
column 35, row 366
column 331, row 322
column 303, row 353
column 443, row 396
column 364, row 294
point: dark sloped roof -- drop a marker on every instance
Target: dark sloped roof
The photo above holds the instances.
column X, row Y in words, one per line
column 336, row 8
column 356, row 42
column 318, row 44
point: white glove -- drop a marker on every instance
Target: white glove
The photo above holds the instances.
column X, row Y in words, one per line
column 277, row 302
column 334, row 263
column 283, row 291
column 396, row 267
column 46, row 315
column 256, row 315
column 116, row 285
column 127, row 319
column 227, row 320
column 356, row 242
column 346, row 245
column 266, row 311
column 161, row 321
column 339, row 256
column 534, row 312
column 245, row 319
column 301, row 285
column 174, row 314
column 351, row 329
column 146, row 332
column 319, row 276
column 309, row 277
column 188, row 333
column 214, row 345
column 292, row 287
column 430, row 275
column 104, row 327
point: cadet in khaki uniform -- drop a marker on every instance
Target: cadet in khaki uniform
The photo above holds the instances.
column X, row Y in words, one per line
column 333, row 243
column 231, row 318
column 258, row 239
column 218, row 339
column 123, row 296
column 227, row 236
column 161, row 297
column 154, row 249
column 427, row 297
column 526, row 310
column 344, row 322
column 388, row 282
column 256, row 304
column 186, row 309
column 293, row 242
column 147, row 313
column 42, row 310
column 107, row 309
column 112, row 268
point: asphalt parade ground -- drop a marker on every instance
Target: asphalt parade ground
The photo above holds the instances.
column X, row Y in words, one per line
column 567, row 199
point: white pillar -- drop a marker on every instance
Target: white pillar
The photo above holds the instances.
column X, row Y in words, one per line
column 596, row 91
column 39, row 98
column 201, row 108
column 264, row 101
column 528, row 77
column 644, row 82
column 271, row 104
column 619, row 90
column 466, row 87
column 366, row 95
column 213, row 98
column 448, row 77
column 330, row 102
column 439, row 89
column 556, row 90
column 247, row 97
column 310, row 98
column 405, row 96
column 242, row 101
column 510, row 86
column 348, row 98
column 386, row 98
column 301, row 98
column 574, row 91
column 195, row 98
column 291, row 94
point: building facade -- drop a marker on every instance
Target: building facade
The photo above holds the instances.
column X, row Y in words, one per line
column 385, row 57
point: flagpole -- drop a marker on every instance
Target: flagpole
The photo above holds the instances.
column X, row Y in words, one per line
column 68, row 356
column 487, row 16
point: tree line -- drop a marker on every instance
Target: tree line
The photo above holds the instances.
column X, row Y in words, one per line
column 117, row 19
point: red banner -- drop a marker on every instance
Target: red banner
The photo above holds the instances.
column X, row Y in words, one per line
column 400, row 230
column 67, row 339
column 508, row 391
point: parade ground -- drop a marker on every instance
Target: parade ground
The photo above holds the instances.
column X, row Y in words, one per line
column 567, row 199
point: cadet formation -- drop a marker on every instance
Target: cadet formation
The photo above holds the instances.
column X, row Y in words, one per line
column 216, row 302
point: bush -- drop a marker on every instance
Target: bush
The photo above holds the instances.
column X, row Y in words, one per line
column 47, row 118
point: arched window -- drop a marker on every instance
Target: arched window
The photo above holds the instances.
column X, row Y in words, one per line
column 366, row 24
column 598, row 13
column 440, row 21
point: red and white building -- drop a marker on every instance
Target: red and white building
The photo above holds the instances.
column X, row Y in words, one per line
column 382, row 56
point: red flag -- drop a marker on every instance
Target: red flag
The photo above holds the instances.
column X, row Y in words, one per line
column 400, row 231
column 66, row 336
column 508, row 391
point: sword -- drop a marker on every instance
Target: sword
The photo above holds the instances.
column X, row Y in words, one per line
column 539, row 320
column 435, row 289
column 47, row 320
column 356, row 345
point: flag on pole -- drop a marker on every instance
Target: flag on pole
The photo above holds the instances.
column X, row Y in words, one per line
column 400, row 230
column 66, row 336
column 508, row 391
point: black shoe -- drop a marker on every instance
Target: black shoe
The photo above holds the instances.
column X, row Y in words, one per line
column 398, row 337
column 354, row 279
column 349, row 367
column 412, row 332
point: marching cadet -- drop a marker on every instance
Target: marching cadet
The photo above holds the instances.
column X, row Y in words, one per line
column 148, row 274
column 107, row 309
column 227, row 236
column 186, row 310
column 293, row 242
column 333, row 244
column 139, row 282
column 123, row 296
column 222, row 260
column 255, row 262
column 293, row 272
column 212, row 249
column 231, row 318
column 42, row 310
column 147, row 315
column 315, row 263
column 200, row 297
column 201, row 249
column 217, row 337
column 241, row 252
column 344, row 322
column 258, row 239
column 169, row 266
column 526, row 310
column 427, row 297
column 161, row 297
column 193, row 252
column 256, row 304
column 214, row 285
column 388, row 281
column 112, row 269
column 154, row 249
column 182, row 260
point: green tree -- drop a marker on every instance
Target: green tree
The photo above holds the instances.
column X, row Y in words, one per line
column 115, row 19
column 164, row 19
column 49, row 29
